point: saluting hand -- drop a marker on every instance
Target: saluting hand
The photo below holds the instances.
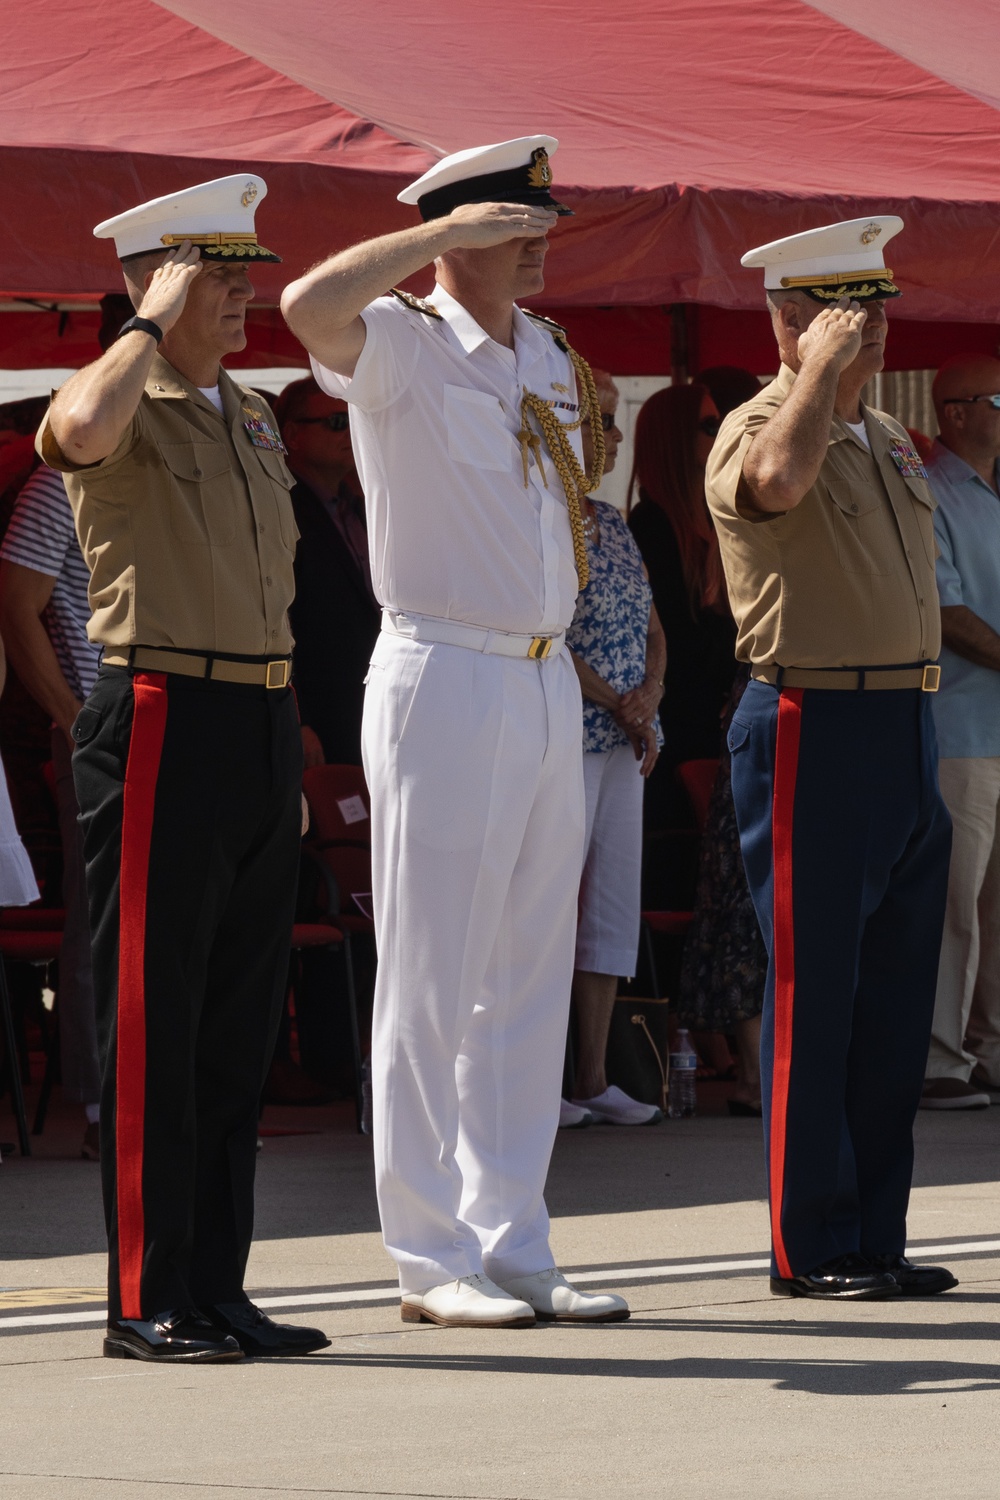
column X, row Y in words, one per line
column 834, row 337
column 167, row 291
column 476, row 226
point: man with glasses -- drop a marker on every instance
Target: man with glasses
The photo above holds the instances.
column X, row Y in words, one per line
column 825, row 521
column 334, row 616
column 964, row 1061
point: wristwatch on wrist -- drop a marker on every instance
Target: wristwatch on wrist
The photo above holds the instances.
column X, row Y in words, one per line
column 144, row 325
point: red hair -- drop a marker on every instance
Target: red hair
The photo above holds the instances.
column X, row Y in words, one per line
column 666, row 469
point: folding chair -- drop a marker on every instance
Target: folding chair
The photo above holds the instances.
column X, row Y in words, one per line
column 321, row 927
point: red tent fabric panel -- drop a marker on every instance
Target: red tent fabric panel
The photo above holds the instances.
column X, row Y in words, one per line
column 689, row 132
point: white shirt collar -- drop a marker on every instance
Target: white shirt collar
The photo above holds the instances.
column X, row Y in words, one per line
column 471, row 336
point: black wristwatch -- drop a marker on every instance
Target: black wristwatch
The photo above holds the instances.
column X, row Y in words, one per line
column 144, row 325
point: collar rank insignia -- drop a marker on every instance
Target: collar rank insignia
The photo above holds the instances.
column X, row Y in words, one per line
column 416, row 304
column 907, row 460
column 261, row 433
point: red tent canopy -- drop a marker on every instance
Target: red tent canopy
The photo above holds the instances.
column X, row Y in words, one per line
column 689, row 132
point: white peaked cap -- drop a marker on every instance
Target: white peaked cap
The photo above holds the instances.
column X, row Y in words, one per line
column 515, row 171
column 818, row 259
column 217, row 216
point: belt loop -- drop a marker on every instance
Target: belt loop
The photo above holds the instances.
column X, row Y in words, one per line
column 209, row 664
column 861, row 679
column 778, row 679
column 131, row 657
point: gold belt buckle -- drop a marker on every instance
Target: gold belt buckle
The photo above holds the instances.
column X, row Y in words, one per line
column 931, row 680
column 279, row 666
column 540, row 647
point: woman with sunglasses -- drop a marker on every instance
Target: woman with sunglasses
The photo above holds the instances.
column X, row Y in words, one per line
column 619, row 654
column 674, row 433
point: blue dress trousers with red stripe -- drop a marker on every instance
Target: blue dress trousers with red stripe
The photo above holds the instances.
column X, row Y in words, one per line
column 846, row 841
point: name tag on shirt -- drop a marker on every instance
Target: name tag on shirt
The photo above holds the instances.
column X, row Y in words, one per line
column 907, row 460
column 262, row 434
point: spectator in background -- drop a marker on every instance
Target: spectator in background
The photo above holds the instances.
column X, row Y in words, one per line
column 725, row 962
column 964, row 471
column 44, row 610
column 729, row 386
column 335, row 616
column 674, row 433
column 43, row 618
column 618, row 650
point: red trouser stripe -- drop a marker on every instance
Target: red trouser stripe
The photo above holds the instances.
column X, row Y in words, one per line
column 145, row 748
column 786, row 765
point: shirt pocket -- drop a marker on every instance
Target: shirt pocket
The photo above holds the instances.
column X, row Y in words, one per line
column 282, row 480
column 202, row 513
column 477, row 432
column 859, row 524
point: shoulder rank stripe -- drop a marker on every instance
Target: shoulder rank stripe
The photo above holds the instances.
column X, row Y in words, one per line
column 557, row 331
column 416, row 304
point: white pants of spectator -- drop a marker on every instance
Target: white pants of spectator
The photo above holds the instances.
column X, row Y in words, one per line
column 967, row 1007
column 474, row 767
column 81, row 1068
column 607, row 938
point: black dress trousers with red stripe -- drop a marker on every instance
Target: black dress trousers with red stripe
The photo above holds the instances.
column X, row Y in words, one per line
column 846, row 842
column 189, row 797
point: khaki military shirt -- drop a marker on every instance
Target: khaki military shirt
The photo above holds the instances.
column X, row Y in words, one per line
column 187, row 527
column 846, row 578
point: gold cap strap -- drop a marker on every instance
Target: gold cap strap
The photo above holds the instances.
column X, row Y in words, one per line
column 222, row 238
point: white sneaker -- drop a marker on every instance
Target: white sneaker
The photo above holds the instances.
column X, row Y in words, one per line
column 573, row 1116
column 614, row 1107
column 470, row 1302
column 554, row 1300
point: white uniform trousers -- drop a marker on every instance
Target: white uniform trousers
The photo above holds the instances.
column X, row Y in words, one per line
column 967, row 1004
column 474, row 763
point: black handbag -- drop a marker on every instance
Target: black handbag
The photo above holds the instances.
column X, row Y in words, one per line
column 638, row 1053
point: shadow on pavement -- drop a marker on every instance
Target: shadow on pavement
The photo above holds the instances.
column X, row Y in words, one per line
column 817, row 1377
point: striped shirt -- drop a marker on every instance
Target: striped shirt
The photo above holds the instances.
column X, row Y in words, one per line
column 41, row 536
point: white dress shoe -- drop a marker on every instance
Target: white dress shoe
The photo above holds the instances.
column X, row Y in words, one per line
column 554, row 1300
column 615, row 1107
column 573, row 1116
column 470, row 1302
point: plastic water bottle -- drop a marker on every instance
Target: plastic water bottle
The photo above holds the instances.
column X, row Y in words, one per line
column 683, row 1096
column 366, row 1096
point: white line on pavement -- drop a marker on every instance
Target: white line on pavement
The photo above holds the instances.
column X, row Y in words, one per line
column 361, row 1295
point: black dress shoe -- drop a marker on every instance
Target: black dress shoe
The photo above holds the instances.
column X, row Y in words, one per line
column 180, row 1335
column 849, row 1277
column 256, row 1334
column 916, row 1281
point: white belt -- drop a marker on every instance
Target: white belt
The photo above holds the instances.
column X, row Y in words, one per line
column 472, row 637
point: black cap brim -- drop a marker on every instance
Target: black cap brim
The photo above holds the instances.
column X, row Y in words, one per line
column 868, row 289
column 493, row 187
column 239, row 250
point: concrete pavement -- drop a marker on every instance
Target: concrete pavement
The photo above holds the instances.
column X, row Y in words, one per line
column 714, row 1389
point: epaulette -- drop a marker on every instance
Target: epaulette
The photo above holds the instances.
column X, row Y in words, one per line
column 557, row 331
column 416, row 304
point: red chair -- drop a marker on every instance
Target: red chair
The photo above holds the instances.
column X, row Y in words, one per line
column 698, row 779
column 339, row 805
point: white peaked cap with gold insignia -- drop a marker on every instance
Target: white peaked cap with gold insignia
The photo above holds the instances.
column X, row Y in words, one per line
column 515, row 171
column 217, row 216
column 834, row 261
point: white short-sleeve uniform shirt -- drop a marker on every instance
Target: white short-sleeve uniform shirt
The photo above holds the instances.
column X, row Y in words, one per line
column 435, row 412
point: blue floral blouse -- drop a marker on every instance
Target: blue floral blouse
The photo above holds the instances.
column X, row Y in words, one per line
column 611, row 623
